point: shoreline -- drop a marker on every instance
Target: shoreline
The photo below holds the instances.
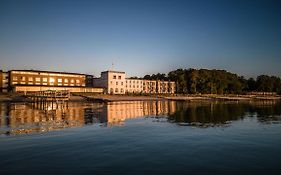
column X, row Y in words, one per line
column 177, row 97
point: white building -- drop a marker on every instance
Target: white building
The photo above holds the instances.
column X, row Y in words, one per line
column 115, row 82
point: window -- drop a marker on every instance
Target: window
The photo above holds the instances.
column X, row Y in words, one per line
column 116, row 90
column 51, row 81
column 23, row 78
column 37, row 79
column 15, row 78
column 71, row 81
column 66, row 81
column 45, row 80
column 119, row 77
column 77, row 81
column 30, row 78
column 116, row 83
column 110, row 82
column 122, row 90
column 122, row 83
column 114, row 76
column 59, row 80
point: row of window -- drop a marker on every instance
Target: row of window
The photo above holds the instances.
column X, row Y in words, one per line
column 115, row 77
column 116, row 90
column 44, row 83
column 117, row 83
column 45, row 79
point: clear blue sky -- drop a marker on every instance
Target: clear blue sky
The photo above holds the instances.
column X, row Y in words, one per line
column 141, row 37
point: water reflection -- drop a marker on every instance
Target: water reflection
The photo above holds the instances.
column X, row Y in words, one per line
column 20, row 118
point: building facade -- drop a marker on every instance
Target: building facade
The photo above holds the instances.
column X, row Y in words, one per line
column 3, row 81
column 115, row 82
column 33, row 80
column 44, row 78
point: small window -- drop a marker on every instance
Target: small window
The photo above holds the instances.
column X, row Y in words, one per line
column 116, row 83
column 77, row 81
column 59, row 80
column 45, row 79
column 65, row 80
column 114, row 76
column 37, row 79
column 116, row 90
column 119, row 77
column 122, row 83
column 30, row 78
column 71, row 81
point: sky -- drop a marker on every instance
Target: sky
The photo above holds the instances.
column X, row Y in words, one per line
column 141, row 36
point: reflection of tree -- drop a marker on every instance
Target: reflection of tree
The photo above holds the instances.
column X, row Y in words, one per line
column 206, row 114
column 269, row 113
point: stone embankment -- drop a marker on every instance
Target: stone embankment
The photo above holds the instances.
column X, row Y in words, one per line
column 111, row 98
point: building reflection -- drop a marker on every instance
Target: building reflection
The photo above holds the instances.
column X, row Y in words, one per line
column 118, row 112
column 21, row 118
column 28, row 118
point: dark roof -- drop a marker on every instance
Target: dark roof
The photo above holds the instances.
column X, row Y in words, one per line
column 40, row 71
column 113, row 71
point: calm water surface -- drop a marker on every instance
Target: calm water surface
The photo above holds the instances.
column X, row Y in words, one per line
column 141, row 138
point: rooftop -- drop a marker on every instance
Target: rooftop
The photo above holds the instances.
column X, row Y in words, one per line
column 40, row 71
column 112, row 71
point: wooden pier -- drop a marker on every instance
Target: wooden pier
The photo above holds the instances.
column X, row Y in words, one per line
column 43, row 99
column 49, row 95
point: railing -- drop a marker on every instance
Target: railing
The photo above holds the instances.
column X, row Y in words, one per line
column 49, row 95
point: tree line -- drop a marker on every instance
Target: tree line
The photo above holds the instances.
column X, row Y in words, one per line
column 205, row 81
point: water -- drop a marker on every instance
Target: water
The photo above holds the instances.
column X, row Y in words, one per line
column 141, row 138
